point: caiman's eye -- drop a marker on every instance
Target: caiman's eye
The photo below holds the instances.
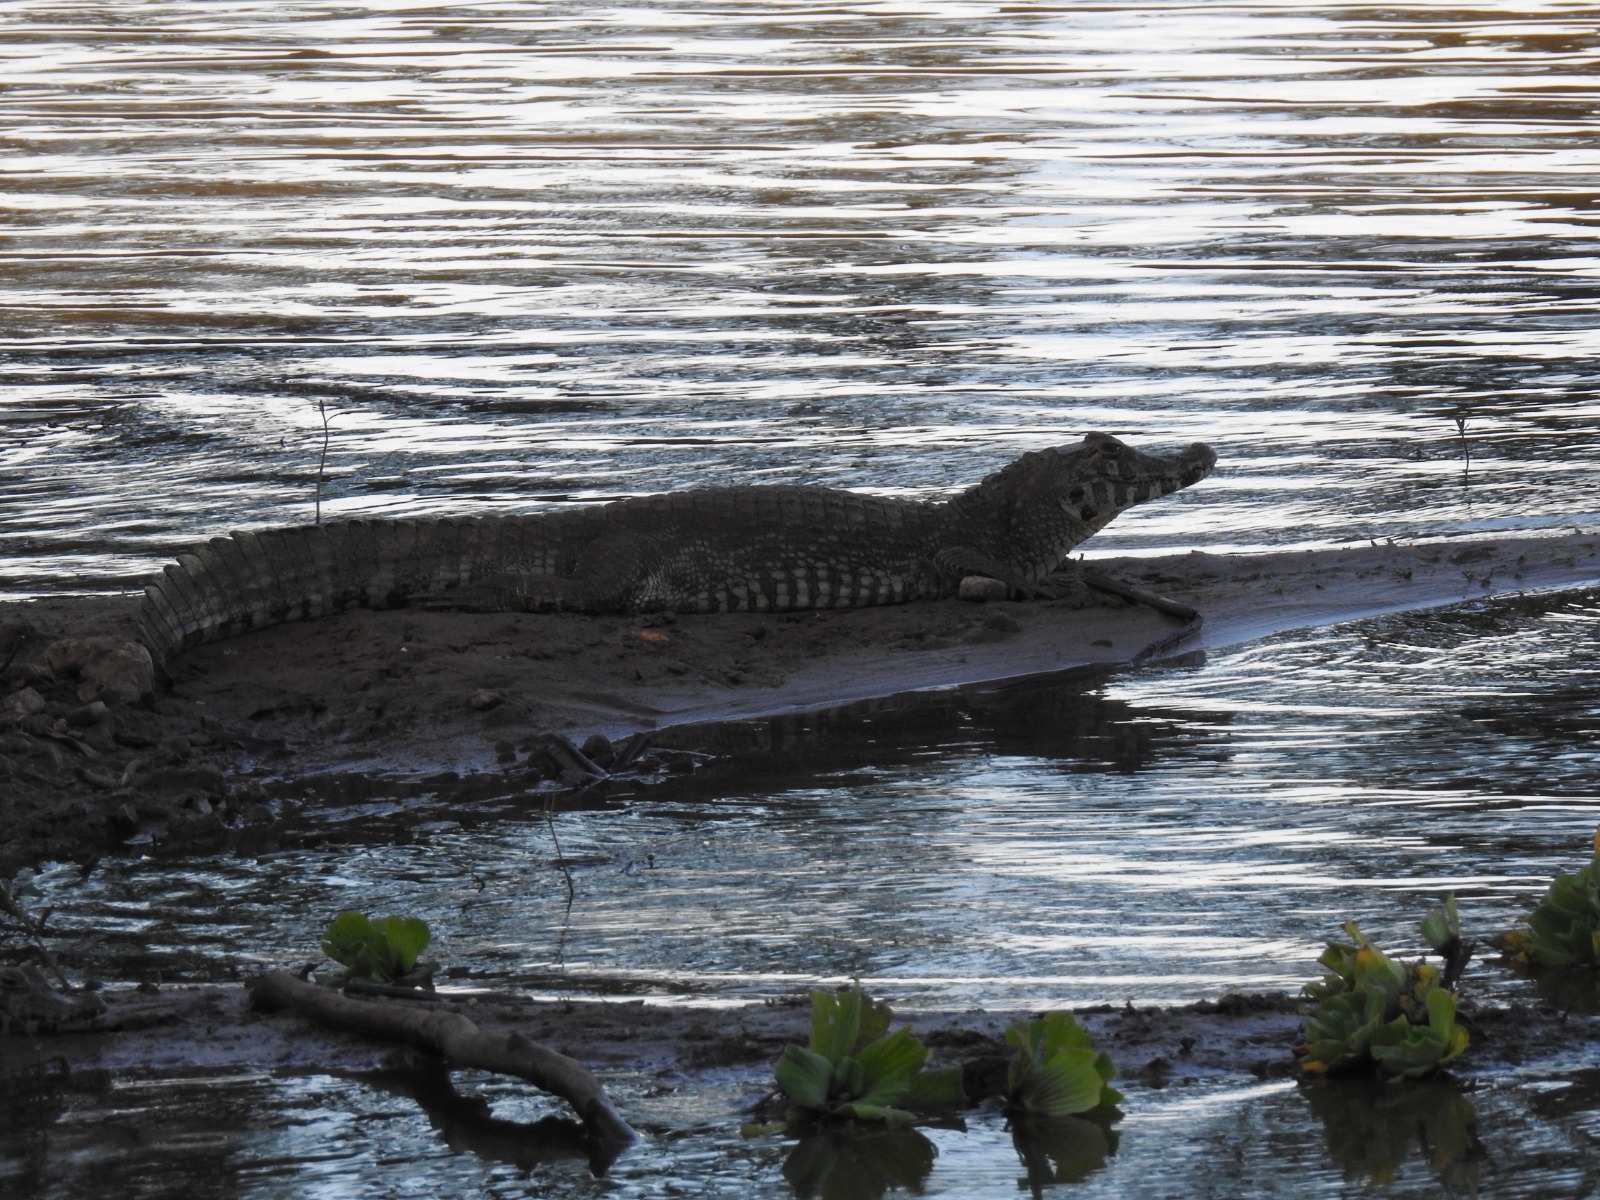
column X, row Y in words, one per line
column 1075, row 495
column 1088, row 512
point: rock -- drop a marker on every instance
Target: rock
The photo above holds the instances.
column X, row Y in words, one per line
column 174, row 750
column 201, row 777
column 979, row 588
column 110, row 669
column 88, row 714
column 483, row 700
column 597, row 749
column 25, row 702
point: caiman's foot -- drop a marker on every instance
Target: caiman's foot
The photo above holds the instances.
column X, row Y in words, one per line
column 979, row 588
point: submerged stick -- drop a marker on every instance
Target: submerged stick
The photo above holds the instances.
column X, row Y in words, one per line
column 456, row 1040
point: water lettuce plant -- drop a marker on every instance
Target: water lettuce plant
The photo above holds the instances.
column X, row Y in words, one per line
column 381, row 951
column 1054, row 1070
column 1564, row 931
column 1371, row 1011
column 854, row 1069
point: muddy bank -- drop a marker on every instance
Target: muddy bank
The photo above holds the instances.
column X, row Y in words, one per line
column 414, row 692
column 216, row 1028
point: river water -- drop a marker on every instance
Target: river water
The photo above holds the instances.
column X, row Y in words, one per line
column 515, row 255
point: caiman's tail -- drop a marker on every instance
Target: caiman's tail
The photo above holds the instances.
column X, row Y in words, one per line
column 250, row 580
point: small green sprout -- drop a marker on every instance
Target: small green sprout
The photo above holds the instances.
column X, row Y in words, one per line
column 855, row 1070
column 378, row 951
column 1373, row 1011
column 1054, row 1071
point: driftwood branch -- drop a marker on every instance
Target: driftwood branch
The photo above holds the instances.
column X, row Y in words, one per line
column 1162, row 604
column 456, row 1040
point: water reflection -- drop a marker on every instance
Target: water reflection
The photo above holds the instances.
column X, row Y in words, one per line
column 859, row 1163
column 1373, row 1127
column 1061, row 1149
column 467, row 1125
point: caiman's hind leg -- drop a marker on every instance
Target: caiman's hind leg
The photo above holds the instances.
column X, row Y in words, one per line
column 606, row 578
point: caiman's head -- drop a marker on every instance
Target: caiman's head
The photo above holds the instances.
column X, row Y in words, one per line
column 1050, row 500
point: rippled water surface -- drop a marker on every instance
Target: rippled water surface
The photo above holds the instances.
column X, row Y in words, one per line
column 523, row 254
column 520, row 255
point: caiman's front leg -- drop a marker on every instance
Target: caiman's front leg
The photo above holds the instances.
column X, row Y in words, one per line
column 961, row 563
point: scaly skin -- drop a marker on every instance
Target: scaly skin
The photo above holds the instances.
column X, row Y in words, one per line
column 724, row 549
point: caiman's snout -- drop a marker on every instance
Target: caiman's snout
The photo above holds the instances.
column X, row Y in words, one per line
column 1194, row 464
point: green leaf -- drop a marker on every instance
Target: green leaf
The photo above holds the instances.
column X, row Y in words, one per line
column 1442, row 928
column 1062, row 1086
column 346, row 936
column 888, row 1064
column 1055, row 1070
column 935, row 1089
column 805, row 1077
column 407, row 937
column 383, row 951
column 861, row 1111
column 844, row 1020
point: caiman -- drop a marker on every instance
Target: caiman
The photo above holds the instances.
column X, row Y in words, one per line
column 720, row 549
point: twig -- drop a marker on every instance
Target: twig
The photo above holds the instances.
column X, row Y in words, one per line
column 1191, row 618
column 322, row 464
column 561, row 858
column 1466, row 450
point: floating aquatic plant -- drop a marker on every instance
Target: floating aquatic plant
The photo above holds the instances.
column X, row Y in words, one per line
column 1564, row 931
column 383, row 951
column 1372, row 1011
column 854, row 1069
column 1054, row 1070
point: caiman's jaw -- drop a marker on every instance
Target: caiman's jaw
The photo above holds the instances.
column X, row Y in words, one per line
column 1111, row 476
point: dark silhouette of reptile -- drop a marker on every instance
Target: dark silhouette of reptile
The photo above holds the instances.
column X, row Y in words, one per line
column 772, row 548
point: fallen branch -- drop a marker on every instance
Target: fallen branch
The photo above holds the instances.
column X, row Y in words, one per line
column 456, row 1040
column 1162, row 604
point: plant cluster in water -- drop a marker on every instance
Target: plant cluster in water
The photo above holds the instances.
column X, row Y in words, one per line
column 855, row 1091
column 1374, row 1012
column 854, row 1069
column 382, row 951
column 1054, row 1070
column 1564, row 931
